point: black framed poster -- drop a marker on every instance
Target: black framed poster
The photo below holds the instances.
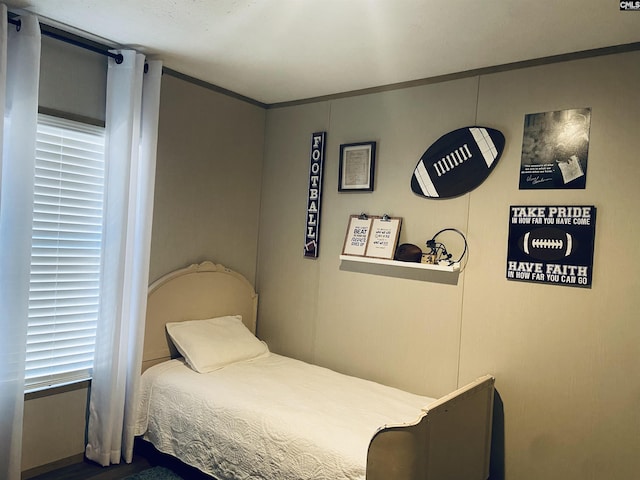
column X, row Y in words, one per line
column 357, row 167
column 555, row 148
column 551, row 244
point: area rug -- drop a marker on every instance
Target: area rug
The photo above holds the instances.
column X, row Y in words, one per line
column 154, row 473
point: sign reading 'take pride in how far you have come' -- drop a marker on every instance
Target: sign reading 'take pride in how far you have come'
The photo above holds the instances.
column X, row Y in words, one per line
column 551, row 244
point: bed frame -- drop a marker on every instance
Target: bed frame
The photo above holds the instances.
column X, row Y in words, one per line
column 451, row 441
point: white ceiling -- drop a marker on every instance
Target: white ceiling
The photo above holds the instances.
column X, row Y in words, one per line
column 283, row 50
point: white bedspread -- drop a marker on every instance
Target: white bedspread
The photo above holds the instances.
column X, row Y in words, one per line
column 269, row 418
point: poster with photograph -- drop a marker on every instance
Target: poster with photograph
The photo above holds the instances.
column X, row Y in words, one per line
column 555, row 147
column 551, row 244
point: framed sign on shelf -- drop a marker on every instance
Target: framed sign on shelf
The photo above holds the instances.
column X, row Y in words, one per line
column 355, row 242
column 372, row 236
column 383, row 237
column 357, row 167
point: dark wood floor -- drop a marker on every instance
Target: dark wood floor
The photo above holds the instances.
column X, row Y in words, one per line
column 90, row 470
column 145, row 456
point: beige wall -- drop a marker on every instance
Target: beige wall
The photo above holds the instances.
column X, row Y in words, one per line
column 72, row 80
column 208, row 177
column 54, row 428
column 564, row 358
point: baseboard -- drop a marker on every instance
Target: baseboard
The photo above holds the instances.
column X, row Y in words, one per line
column 49, row 467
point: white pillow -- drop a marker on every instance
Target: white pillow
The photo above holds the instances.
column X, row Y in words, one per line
column 211, row 344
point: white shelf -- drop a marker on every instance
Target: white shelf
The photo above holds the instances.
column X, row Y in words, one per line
column 409, row 265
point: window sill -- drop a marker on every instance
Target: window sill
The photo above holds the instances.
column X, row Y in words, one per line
column 46, row 392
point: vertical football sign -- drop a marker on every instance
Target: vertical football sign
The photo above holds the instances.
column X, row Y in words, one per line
column 312, row 232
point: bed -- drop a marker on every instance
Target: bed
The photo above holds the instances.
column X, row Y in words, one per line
column 215, row 397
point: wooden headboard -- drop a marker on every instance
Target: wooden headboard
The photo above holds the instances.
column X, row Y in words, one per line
column 199, row 291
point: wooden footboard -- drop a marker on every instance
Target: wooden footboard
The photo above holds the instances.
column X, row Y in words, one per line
column 451, row 442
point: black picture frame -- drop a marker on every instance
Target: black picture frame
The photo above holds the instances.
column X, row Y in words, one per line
column 357, row 167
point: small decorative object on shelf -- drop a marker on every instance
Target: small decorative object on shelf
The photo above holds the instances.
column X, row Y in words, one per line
column 438, row 251
column 408, row 252
column 428, row 258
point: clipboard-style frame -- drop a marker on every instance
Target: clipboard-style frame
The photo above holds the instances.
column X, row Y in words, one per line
column 383, row 238
column 372, row 236
column 357, row 236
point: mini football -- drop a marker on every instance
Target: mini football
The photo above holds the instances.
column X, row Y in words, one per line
column 547, row 243
column 408, row 252
column 457, row 162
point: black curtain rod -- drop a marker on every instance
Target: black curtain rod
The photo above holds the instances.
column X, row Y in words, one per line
column 50, row 32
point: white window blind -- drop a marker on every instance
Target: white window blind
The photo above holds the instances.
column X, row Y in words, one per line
column 66, row 249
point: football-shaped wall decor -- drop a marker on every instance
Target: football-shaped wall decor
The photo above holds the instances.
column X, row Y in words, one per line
column 457, row 162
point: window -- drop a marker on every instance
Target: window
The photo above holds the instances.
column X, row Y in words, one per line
column 66, row 253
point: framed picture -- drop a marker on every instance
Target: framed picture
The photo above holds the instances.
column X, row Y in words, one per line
column 357, row 165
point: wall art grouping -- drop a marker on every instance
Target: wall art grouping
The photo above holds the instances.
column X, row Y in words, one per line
column 546, row 244
column 551, row 244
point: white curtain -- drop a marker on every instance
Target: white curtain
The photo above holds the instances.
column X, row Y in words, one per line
column 133, row 99
column 19, row 77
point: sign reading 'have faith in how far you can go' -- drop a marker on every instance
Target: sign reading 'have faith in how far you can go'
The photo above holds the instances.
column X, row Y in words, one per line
column 551, row 244
column 312, row 232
